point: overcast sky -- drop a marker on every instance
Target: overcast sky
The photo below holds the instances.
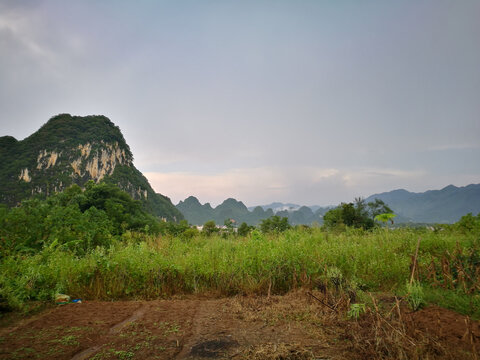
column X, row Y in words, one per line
column 311, row 102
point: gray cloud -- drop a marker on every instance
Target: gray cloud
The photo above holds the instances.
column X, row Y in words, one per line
column 211, row 89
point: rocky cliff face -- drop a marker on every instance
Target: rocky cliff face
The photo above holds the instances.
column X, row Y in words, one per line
column 73, row 150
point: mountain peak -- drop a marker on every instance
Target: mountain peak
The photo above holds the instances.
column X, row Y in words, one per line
column 73, row 150
column 191, row 200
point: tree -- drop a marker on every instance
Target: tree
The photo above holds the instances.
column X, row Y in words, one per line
column 378, row 207
column 334, row 218
column 176, row 229
column 209, row 228
column 358, row 214
column 469, row 223
column 74, row 219
column 244, row 229
column 275, row 224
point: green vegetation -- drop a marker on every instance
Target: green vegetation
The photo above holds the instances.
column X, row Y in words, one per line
column 244, row 229
column 358, row 215
column 356, row 310
column 415, row 295
column 76, row 220
column 68, row 340
column 144, row 265
column 385, row 218
column 274, row 224
column 209, row 228
column 99, row 243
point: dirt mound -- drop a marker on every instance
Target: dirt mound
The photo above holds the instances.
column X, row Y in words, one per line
column 446, row 326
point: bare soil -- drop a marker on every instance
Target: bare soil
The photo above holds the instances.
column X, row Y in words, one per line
column 293, row 326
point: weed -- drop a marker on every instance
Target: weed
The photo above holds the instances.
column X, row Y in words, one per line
column 123, row 355
column 415, row 297
column 24, row 352
column 356, row 310
column 349, row 262
column 119, row 354
column 168, row 328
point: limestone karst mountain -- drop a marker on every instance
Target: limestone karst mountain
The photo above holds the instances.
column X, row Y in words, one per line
column 73, row 150
column 198, row 214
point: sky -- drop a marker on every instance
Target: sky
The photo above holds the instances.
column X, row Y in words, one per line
column 309, row 102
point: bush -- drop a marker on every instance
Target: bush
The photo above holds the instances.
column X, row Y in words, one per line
column 274, row 224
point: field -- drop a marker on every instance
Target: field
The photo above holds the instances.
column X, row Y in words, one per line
column 301, row 294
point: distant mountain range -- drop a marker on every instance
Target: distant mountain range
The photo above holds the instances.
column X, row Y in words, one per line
column 278, row 206
column 447, row 205
column 198, row 214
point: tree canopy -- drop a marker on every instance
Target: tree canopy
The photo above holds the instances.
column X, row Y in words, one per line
column 75, row 218
column 274, row 224
column 358, row 214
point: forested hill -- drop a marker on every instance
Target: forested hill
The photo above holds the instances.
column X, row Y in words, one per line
column 73, row 150
column 447, row 205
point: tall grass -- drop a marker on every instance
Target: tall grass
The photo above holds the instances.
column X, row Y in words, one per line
column 150, row 267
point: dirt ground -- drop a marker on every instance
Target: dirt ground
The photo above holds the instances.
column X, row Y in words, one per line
column 294, row 326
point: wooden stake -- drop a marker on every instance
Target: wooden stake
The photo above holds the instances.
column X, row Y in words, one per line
column 415, row 261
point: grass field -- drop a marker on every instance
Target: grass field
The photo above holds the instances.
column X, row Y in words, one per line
column 357, row 262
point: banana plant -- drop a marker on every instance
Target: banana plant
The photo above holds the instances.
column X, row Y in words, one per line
column 385, row 218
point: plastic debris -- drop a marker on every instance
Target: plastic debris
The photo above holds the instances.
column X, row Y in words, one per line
column 62, row 298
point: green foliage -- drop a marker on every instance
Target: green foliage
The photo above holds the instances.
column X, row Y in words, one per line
column 385, row 218
column 377, row 207
column 274, row 224
column 175, row 229
column 357, row 215
column 244, row 229
column 74, row 219
column 457, row 300
column 469, row 223
column 209, row 228
column 415, row 296
column 356, row 310
column 142, row 265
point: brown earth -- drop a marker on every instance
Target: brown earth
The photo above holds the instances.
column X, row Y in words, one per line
column 294, row 326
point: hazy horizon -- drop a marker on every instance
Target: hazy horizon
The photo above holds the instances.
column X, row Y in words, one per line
column 308, row 102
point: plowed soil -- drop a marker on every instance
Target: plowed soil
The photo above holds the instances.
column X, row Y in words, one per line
column 294, row 326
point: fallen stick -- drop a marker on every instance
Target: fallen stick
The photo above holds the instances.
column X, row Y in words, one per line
column 321, row 302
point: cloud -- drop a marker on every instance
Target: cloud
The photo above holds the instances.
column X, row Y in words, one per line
column 304, row 103
column 454, row 147
column 364, row 177
column 305, row 185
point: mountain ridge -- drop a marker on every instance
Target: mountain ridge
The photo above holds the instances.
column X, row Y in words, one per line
column 197, row 214
column 446, row 205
